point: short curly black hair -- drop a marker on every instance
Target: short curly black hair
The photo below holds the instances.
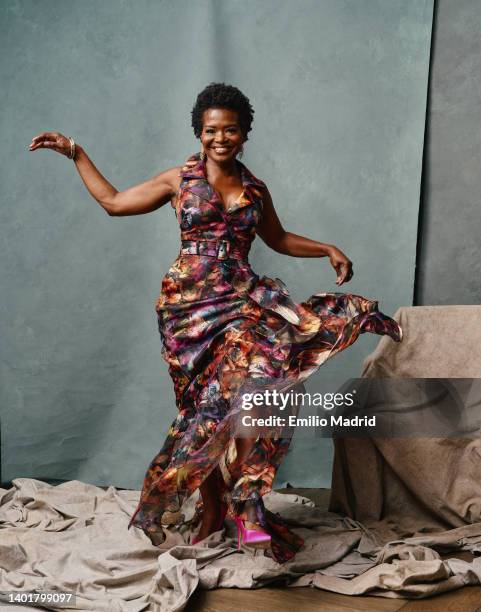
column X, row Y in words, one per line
column 220, row 95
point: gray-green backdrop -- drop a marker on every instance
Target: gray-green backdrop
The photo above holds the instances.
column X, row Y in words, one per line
column 339, row 91
column 449, row 263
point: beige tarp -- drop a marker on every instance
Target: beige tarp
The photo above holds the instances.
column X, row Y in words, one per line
column 417, row 499
column 404, row 486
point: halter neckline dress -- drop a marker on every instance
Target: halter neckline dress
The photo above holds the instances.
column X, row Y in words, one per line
column 224, row 329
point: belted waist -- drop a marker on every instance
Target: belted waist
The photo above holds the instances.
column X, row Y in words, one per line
column 222, row 249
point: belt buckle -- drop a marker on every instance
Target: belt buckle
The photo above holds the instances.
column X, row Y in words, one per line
column 201, row 247
column 223, row 248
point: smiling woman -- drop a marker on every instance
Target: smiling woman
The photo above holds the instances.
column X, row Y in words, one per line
column 224, row 329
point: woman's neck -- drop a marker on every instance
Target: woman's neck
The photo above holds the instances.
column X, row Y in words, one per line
column 228, row 169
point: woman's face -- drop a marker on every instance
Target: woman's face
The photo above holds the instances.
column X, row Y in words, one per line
column 221, row 135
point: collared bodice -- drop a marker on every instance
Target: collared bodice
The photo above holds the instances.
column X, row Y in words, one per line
column 201, row 214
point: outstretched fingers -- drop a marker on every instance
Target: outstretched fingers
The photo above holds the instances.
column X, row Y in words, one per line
column 45, row 140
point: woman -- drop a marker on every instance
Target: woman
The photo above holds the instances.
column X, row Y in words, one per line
column 224, row 329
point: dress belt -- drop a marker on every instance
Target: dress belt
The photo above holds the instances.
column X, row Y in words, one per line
column 222, row 249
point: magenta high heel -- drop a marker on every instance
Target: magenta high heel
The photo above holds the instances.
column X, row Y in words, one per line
column 255, row 538
column 218, row 527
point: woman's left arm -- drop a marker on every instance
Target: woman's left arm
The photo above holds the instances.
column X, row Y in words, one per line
column 277, row 238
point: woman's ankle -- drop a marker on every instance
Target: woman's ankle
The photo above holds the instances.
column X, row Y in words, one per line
column 254, row 526
column 210, row 515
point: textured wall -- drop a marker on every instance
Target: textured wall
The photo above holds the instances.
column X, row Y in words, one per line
column 339, row 89
column 449, row 264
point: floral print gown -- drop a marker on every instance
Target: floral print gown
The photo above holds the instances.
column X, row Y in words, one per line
column 224, row 329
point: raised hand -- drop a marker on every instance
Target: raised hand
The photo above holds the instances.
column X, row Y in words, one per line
column 341, row 264
column 53, row 141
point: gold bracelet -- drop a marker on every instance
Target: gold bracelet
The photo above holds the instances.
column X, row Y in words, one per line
column 72, row 148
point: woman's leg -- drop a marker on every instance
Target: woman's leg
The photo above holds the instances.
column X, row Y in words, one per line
column 211, row 493
column 243, row 450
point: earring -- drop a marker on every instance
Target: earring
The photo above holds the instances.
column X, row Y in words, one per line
column 202, row 154
column 241, row 151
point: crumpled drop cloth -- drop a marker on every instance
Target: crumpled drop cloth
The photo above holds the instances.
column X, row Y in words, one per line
column 417, row 482
column 74, row 537
column 428, row 487
column 397, row 505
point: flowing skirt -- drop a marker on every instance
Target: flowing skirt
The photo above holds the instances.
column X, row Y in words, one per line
column 221, row 342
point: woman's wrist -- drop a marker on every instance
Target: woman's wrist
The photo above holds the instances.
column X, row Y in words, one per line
column 327, row 249
column 77, row 153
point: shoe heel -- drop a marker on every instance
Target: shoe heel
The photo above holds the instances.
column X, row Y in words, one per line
column 254, row 538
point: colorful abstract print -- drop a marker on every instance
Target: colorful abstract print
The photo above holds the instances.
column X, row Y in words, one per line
column 224, row 330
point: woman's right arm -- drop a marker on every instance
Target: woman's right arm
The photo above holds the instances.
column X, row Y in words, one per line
column 137, row 200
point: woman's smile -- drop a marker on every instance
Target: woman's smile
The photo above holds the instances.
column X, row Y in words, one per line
column 221, row 150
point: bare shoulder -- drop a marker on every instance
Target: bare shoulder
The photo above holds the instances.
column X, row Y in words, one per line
column 261, row 187
column 171, row 177
column 265, row 194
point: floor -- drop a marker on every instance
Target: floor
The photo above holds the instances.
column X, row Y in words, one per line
column 305, row 599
